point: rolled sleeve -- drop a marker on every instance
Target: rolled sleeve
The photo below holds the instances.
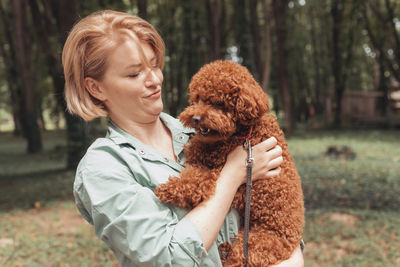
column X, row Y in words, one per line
column 135, row 225
column 193, row 246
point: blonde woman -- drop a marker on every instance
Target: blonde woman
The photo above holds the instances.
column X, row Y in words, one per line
column 113, row 68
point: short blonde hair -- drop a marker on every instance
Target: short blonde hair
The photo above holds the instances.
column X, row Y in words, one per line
column 86, row 51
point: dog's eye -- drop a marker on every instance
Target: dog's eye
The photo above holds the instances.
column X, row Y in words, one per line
column 220, row 104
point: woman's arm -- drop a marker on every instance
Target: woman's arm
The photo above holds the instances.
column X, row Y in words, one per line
column 209, row 215
column 295, row 260
column 128, row 217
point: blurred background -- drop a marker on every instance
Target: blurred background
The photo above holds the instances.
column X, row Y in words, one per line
column 330, row 67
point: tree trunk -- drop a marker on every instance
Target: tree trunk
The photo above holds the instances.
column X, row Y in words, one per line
column 383, row 86
column 78, row 141
column 28, row 107
column 342, row 57
column 192, row 37
column 382, row 41
column 395, row 66
column 241, row 33
column 315, row 56
column 142, row 7
column 64, row 16
column 45, row 30
column 267, row 59
column 256, row 37
column 337, row 16
column 77, row 136
column 378, row 44
column 214, row 11
column 9, row 56
column 279, row 7
column 223, row 29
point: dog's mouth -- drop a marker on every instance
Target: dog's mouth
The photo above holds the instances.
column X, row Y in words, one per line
column 204, row 131
column 207, row 132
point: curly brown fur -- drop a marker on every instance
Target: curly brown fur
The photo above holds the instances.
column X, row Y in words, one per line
column 225, row 101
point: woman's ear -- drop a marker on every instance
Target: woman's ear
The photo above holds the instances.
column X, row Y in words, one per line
column 95, row 89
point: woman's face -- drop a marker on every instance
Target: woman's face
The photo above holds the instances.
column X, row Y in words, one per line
column 131, row 89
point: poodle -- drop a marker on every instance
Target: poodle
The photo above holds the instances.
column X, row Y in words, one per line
column 225, row 103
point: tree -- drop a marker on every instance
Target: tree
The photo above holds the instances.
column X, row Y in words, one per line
column 342, row 48
column 393, row 61
column 7, row 52
column 241, row 34
column 279, row 10
column 214, row 13
column 374, row 19
column 267, row 58
column 142, row 8
column 256, row 37
column 53, row 23
column 28, row 103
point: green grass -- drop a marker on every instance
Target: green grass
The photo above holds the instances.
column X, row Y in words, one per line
column 51, row 236
column 352, row 216
column 370, row 181
column 352, row 238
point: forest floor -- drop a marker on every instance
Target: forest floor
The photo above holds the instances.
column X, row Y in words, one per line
column 351, row 196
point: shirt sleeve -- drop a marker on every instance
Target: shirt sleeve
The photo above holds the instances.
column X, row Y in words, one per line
column 132, row 221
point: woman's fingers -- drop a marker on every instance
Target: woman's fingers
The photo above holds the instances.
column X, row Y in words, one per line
column 266, row 144
column 268, row 158
column 275, row 152
column 274, row 172
column 274, row 163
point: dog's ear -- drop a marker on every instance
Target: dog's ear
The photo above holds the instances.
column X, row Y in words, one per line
column 251, row 103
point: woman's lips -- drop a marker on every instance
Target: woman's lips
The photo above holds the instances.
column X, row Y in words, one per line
column 155, row 94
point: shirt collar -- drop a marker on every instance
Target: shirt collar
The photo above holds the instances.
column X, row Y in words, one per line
column 179, row 133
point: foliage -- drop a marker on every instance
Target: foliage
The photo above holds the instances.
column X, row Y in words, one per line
column 190, row 43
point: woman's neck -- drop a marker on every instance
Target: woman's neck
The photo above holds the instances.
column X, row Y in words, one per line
column 152, row 133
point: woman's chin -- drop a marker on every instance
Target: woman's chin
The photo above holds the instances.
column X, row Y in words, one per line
column 157, row 108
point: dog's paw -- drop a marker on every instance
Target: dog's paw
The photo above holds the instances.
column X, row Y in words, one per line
column 173, row 192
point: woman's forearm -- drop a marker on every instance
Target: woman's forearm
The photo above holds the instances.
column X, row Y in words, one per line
column 209, row 216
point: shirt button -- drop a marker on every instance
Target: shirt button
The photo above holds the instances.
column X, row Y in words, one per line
column 166, row 159
column 181, row 137
column 141, row 152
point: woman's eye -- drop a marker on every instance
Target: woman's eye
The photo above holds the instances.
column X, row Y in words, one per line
column 133, row 75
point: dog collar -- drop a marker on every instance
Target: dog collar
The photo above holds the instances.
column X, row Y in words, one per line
column 245, row 137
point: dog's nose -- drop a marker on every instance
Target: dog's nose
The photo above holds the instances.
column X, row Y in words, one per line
column 196, row 119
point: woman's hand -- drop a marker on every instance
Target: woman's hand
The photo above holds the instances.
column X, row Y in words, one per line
column 267, row 159
column 295, row 260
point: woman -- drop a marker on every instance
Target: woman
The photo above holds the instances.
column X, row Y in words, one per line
column 112, row 65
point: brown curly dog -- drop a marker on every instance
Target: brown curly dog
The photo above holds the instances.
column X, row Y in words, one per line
column 225, row 102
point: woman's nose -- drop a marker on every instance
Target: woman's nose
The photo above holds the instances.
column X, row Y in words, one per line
column 153, row 78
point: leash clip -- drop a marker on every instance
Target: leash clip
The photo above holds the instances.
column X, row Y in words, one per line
column 247, row 147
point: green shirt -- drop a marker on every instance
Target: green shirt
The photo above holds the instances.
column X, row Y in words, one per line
column 113, row 190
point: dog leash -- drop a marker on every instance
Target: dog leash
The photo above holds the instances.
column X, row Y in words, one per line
column 249, row 167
